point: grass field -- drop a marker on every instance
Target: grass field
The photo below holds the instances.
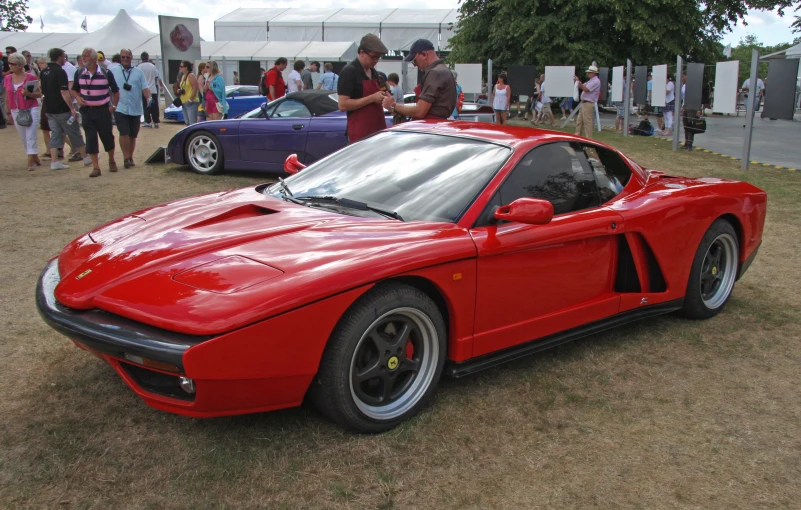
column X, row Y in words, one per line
column 663, row 413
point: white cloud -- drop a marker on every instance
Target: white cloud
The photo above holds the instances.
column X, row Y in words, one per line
column 767, row 26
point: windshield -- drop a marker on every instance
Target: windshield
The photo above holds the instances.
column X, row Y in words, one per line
column 418, row 176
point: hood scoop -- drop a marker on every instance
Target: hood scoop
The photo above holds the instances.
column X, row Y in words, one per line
column 227, row 275
column 239, row 213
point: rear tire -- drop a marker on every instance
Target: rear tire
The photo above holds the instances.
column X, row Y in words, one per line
column 713, row 273
column 383, row 360
column 204, row 153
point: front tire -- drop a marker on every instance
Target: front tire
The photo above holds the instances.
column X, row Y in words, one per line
column 713, row 272
column 204, row 153
column 383, row 360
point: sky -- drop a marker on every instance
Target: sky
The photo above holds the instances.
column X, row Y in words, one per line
column 66, row 16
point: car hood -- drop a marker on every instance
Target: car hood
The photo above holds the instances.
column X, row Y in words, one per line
column 214, row 263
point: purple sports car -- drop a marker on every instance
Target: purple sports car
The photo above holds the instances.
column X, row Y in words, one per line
column 306, row 123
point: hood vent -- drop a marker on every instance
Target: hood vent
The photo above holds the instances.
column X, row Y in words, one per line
column 240, row 213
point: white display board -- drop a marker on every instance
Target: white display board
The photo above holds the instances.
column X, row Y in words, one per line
column 726, row 77
column 617, row 84
column 396, row 66
column 560, row 80
column 470, row 76
column 658, row 85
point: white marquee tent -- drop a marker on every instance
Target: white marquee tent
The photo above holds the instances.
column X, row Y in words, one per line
column 398, row 28
column 120, row 32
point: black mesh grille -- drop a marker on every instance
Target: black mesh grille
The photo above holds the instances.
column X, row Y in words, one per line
column 156, row 382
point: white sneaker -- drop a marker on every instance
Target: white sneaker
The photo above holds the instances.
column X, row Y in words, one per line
column 563, row 118
column 58, row 165
column 147, row 125
column 87, row 161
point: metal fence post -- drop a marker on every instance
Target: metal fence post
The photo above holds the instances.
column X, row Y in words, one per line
column 749, row 109
column 627, row 98
column 677, row 104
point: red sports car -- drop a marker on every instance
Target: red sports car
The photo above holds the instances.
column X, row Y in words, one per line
column 426, row 248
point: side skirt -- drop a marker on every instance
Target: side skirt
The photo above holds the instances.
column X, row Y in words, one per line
column 486, row 361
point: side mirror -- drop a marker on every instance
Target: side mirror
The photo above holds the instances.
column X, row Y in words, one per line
column 293, row 166
column 533, row 211
column 263, row 108
column 235, row 93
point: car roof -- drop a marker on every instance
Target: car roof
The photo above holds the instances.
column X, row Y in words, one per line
column 318, row 102
column 504, row 134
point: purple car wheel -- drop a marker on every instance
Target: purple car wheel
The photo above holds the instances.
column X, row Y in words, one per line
column 204, row 153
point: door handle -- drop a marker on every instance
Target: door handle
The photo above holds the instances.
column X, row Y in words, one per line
column 297, row 127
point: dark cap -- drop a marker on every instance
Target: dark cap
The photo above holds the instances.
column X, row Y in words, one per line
column 418, row 46
column 371, row 42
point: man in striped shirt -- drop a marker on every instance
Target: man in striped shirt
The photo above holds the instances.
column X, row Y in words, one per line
column 97, row 94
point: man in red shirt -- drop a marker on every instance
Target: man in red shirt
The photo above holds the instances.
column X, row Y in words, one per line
column 274, row 80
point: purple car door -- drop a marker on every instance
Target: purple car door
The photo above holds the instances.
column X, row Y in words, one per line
column 269, row 141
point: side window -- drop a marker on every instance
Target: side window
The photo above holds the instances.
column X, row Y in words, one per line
column 290, row 108
column 248, row 91
column 557, row 172
column 611, row 172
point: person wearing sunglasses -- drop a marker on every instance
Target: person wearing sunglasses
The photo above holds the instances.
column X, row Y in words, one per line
column 359, row 92
column 133, row 88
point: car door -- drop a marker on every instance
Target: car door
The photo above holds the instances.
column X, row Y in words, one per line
column 269, row 141
column 536, row 280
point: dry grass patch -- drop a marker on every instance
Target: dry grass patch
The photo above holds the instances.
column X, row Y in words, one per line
column 661, row 413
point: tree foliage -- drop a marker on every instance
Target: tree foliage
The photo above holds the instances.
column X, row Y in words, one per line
column 743, row 53
column 14, row 15
column 576, row 32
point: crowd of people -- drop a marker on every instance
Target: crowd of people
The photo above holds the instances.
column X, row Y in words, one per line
column 59, row 99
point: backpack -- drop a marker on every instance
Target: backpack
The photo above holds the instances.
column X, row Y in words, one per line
column 644, row 128
column 263, row 88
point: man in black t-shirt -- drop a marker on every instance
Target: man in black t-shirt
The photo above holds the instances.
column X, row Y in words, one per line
column 59, row 110
column 359, row 92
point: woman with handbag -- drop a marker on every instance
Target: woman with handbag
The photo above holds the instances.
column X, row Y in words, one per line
column 216, row 105
column 22, row 105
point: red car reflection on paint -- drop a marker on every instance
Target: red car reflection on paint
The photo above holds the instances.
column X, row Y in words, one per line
column 426, row 248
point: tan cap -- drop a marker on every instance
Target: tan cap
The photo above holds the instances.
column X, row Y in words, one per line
column 371, row 42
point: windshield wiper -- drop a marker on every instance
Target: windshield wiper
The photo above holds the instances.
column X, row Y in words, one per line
column 352, row 204
column 286, row 194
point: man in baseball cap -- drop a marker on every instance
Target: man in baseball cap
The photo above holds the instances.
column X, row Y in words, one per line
column 359, row 92
column 437, row 96
column 591, row 89
column 418, row 47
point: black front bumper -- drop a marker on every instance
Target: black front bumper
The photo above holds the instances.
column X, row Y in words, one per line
column 106, row 332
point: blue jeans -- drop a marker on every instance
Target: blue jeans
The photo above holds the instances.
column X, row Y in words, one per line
column 190, row 112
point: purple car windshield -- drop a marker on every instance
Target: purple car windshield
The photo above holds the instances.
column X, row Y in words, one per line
column 419, row 176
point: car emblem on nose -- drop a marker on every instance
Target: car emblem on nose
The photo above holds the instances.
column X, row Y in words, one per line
column 83, row 274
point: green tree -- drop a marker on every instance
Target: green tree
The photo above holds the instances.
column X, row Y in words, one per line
column 14, row 15
column 575, row 32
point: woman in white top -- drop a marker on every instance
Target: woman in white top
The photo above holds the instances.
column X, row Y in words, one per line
column 670, row 103
column 501, row 96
